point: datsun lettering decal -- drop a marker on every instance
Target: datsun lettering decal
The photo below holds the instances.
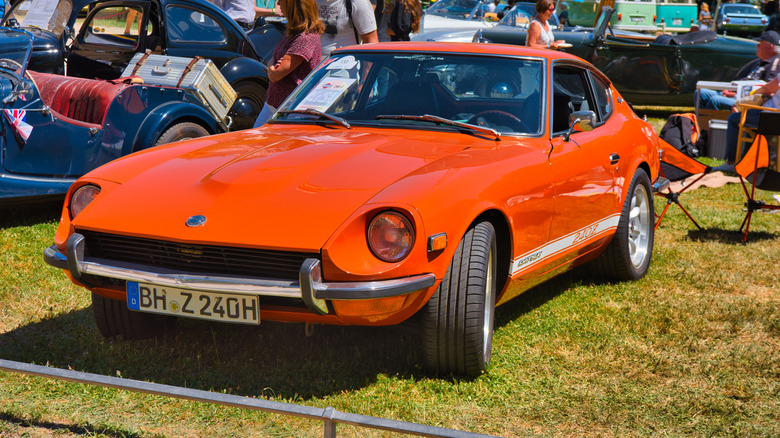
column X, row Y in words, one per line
column 577, row 238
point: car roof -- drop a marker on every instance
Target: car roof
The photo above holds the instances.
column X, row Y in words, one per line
column 462, row 48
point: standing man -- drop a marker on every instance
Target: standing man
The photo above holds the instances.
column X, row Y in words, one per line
column 241, row 11
column 347, row 22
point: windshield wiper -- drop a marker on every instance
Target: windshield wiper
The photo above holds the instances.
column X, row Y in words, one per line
column 443, row 121
column 313, row 112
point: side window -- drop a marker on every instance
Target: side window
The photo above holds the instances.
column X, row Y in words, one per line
column 187, row 25
column 117, row 26
column 570, row 94
column 603, row 98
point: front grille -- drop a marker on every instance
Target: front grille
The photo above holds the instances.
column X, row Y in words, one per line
column 200, row 259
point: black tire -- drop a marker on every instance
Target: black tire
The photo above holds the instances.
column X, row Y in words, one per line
column 181, row 131
column 114, row 319
column 250, row 98
column 457, row 322
column 628, row 255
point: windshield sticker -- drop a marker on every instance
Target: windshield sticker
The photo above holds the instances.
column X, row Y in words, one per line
column 40, row 13
column 345, row 63
column 326, row 92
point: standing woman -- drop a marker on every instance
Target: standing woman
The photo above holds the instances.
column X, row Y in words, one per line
column 405, row 19
column 295, row 55
column 540, row 35
column 396, row 19
column 705, row 18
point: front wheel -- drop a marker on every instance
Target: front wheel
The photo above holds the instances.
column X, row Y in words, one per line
column 181, row 131
column 457, row 322
column 628, row 255
column 114, row 319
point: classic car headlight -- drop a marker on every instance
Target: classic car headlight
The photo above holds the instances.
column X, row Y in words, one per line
column 81, row 198
column 390, row 236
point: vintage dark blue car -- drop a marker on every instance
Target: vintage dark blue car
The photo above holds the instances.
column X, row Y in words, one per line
column 112, row 31
column 55, row 128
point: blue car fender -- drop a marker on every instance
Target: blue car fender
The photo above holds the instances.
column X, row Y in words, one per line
column 245, row 69
column 167, row 115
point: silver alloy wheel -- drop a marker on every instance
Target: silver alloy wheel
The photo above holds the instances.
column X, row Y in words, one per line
column 639, row 226
column 490, row 309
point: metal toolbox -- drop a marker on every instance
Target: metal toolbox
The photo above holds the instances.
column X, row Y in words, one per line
column 198, row 76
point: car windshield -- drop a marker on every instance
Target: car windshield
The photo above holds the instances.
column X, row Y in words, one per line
column 46, row 15
column 459, row 9
column 391, row 89
column 522, row 14
column 15, row 47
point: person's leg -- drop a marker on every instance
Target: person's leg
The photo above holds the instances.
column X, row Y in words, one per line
column 711, row 99
column 732, row 132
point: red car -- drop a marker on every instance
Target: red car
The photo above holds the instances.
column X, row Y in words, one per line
column 405, row 179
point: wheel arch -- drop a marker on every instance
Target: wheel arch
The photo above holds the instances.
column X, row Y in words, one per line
column 503, row 245
column 165, row 116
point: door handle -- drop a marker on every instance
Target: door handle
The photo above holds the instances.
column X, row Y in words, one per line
column 614, row 158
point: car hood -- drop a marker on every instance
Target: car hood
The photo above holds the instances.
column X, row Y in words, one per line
column 279, row 188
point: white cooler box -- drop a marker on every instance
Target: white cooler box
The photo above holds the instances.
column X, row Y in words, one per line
column 200, row 77
column 716, row 139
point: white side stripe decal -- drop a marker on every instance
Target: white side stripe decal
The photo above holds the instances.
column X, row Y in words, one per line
column 544, row 252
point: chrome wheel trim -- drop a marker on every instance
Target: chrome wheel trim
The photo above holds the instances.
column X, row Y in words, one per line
column 639, row 226
column 489, row 310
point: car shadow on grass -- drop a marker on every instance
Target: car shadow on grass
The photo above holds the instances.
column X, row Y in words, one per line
column 18, row 215
column 273, row 360
column 27, row 427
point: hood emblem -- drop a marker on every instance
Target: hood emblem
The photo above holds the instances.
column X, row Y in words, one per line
column 196, row 221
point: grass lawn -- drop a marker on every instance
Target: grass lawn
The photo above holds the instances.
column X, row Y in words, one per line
column 693, row 349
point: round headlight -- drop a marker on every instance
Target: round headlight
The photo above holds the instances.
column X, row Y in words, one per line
column 390, row 236
column 81, row 198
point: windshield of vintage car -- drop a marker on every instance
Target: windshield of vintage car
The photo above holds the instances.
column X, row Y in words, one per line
column 15, row 49
column 499, row 93
column 459, row 9
column 50, row 15
column 519, row 16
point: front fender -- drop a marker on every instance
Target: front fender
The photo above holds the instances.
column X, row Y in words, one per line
column 167, row 115
column 238, row 69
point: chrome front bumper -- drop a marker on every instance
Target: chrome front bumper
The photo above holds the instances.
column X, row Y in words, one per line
column 309, row 287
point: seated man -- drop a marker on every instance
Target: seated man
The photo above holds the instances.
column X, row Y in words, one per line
column 768, row 50
column 751, row 119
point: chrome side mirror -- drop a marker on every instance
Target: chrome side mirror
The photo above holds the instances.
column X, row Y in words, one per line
column 580, row 121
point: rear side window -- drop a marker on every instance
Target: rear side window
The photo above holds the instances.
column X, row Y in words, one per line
column 187, row 25
column 603, row 97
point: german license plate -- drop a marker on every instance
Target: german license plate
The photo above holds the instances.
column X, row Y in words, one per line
column 637, row 19
column 243, row 309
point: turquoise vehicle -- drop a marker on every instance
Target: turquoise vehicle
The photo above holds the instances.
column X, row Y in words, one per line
column 676, row 15
column 632, row 15
column 639, row 15
column 635, row 15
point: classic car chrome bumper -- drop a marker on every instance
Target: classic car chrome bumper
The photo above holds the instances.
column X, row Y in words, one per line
column 309, row 287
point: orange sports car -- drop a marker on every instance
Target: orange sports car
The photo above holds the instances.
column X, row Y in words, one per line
column 400, row 180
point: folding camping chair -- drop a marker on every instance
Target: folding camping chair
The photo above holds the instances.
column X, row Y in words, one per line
column 761, row 166
column 676, row 166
